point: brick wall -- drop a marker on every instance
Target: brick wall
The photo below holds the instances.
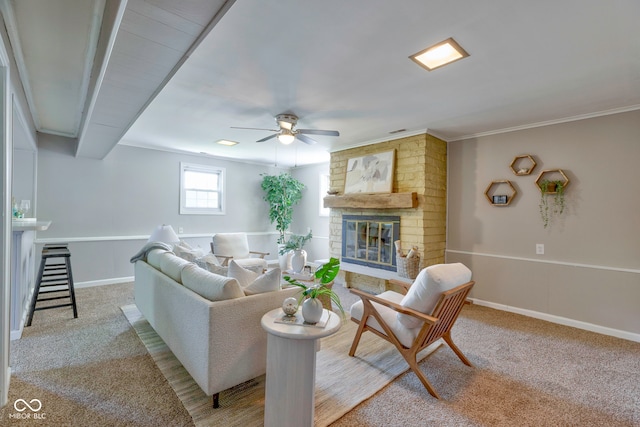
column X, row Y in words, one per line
column 421, row 167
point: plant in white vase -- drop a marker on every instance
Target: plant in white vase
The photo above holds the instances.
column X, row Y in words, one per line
column 295, row 244
column 312, row 307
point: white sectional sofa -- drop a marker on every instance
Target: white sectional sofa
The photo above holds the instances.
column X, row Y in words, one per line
column 205, row 319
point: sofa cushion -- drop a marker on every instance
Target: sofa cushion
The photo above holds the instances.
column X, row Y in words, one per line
column 172, row 265
column 154, row 257
column 254, row 283
column 209, row 285
column 425, row 291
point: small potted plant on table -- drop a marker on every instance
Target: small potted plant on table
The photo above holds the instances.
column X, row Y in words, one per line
column 312, row 307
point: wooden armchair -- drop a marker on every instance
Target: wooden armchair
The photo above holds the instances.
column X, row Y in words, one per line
column 228, row 246
column 391, row 317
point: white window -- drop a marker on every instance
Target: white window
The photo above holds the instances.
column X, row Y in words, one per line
column 324, row 187
column 201, row 189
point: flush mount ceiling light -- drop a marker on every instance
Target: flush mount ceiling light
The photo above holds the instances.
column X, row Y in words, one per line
column 226, row 142
column 440, row 54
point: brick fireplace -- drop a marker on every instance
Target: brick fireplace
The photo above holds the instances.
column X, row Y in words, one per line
column 420, row 168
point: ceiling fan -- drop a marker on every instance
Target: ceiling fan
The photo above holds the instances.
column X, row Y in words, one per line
column 286, row 134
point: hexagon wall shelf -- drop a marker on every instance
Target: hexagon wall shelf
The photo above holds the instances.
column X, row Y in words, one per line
column 523, row 165
column 493, row 187
column 553, row 174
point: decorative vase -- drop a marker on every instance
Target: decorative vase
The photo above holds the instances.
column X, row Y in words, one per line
column 298, row 260
column 312, row 310
column 290, row 306
column 285, row 259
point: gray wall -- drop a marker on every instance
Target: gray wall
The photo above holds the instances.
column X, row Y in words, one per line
column 107, row 209
column 590, row 272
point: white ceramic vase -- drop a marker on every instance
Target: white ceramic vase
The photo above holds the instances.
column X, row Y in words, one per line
column 312, row 310
column 285, row 259
column 298, row 260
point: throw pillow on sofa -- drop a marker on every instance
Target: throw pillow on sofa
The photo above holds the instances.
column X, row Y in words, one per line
column 209, row 285
column 254, row 283
column 184, row 251
column 211, row 263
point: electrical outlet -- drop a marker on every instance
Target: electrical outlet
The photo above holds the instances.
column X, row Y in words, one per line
column 180, row 230
column 539, row 248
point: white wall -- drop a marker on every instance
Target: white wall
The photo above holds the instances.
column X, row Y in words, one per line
column 590, row 271
column 307, row 213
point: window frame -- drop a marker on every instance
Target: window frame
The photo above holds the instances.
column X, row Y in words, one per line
column 220, row 171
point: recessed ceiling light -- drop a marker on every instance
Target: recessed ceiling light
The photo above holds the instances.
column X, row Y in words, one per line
column 440, row 54
column 226, row 142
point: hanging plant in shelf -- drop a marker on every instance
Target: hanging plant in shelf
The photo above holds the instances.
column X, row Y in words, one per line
column 551, row 189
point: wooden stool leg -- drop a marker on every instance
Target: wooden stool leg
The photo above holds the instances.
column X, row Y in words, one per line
column 34, row 297
column 72, row 291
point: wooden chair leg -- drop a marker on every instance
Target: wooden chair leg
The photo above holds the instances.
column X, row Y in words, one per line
column 456, row 350
column 413, row 364
column 356, row 339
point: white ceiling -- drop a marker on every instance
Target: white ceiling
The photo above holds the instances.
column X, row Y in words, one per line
column 177, row 75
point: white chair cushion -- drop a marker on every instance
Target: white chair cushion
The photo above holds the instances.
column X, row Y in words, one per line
column 172, row 265
column 235, row 245
column 210, row 286
column 405, row 335
column 255, row 283
column 154, row 257
column 425, row 291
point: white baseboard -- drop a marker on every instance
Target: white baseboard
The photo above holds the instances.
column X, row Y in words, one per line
column 102, row 282
column 561, row 320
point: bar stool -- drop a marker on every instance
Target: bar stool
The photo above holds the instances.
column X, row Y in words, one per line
column 54, row 274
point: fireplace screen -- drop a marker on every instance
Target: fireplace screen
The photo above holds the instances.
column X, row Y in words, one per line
column 368, row 240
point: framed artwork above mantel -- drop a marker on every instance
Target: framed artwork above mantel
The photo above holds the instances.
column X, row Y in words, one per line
column 372, row 173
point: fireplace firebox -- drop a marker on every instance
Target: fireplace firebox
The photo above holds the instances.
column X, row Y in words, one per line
column 368, row 240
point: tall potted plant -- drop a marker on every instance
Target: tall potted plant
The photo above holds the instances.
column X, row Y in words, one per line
column 282, row 192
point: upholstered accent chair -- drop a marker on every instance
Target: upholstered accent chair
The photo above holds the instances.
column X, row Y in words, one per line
column 416, row 320
column 228, row 246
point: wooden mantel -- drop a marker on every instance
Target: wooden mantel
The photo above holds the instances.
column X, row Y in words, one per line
column 373, row 201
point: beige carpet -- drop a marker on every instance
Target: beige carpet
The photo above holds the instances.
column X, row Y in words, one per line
column 376, row 364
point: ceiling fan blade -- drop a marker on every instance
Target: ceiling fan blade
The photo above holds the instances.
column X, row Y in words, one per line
column 319, row 132
column 272, row 130
column 267, row 138
column 305, row 139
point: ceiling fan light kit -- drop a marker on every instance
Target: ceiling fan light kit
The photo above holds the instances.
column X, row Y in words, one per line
column 286, row 133
column 286, row 137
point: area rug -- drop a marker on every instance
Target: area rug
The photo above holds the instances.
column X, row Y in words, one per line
column 342, row 382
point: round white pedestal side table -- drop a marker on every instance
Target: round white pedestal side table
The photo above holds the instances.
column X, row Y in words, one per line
column 291, row 370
